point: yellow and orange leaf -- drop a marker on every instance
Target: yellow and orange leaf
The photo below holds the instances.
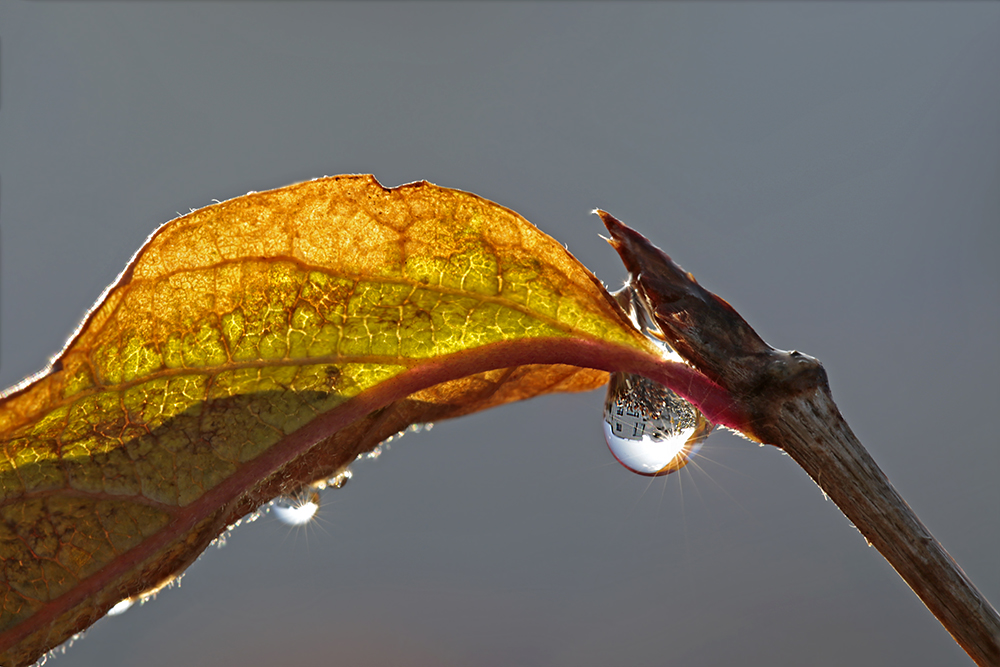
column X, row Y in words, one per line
column 258, row 345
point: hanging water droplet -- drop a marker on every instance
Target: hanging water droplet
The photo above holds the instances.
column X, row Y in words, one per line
column 649, row 429
column 339, row 480
column 121, row 607
column 296, row 510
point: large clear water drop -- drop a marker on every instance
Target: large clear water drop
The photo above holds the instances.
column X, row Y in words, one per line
column 649, row 429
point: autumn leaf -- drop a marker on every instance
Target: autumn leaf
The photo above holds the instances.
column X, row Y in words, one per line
column 258, row 345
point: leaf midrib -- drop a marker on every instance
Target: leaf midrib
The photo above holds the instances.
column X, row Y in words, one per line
column 210, row 371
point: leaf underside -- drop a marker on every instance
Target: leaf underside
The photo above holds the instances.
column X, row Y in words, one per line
column 260, row 344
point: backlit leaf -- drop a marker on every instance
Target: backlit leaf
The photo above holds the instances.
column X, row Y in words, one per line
column 260, row 344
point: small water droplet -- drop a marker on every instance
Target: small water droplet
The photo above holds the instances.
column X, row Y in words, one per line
column 379, row 449
column 296, row 510
column 649, row 429
column 338, row 481
column 121, row 607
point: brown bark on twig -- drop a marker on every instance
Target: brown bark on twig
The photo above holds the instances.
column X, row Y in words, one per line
column 787, row 399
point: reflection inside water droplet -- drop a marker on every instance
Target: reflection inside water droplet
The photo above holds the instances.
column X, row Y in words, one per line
column 296, row 510
column 649, row 429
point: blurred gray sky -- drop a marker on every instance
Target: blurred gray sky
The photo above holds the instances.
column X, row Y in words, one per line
column 832, row 170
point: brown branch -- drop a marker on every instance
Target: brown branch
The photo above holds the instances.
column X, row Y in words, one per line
column 788, row 400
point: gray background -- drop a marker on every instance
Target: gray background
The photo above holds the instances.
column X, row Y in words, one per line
column 831, row 170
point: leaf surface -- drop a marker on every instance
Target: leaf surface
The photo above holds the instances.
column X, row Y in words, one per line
column 260, row 344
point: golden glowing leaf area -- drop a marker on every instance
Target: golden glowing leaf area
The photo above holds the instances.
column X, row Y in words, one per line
column 254, row 346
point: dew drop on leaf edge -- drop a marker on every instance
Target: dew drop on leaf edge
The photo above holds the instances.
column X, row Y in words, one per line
column 121, row 607
column 296, row 510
